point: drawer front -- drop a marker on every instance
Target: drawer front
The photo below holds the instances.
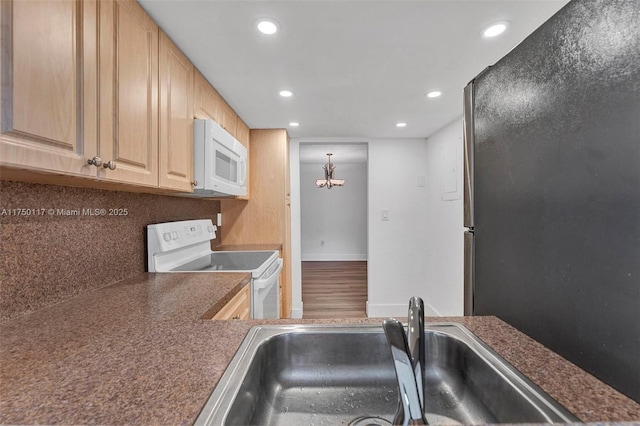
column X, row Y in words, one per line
column 238, row 308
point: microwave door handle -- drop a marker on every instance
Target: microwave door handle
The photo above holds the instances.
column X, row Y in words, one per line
column 243, row 171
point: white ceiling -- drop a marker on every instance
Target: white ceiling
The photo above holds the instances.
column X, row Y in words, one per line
column 343, row 152
column 355, row 67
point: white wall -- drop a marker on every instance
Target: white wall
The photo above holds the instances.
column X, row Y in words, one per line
column 444, row 256
column 334, row 221
column 398, row 247
column 419, row 251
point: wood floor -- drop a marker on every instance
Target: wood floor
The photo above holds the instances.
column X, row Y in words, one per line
column 334, row 289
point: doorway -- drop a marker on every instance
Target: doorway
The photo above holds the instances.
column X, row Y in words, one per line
column 334, row 230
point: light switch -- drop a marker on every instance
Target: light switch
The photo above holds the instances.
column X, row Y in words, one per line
column 385, row 215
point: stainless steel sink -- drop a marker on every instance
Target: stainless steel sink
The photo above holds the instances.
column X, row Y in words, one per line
column 332, row 375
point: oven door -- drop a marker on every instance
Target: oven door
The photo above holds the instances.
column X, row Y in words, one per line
column 265, row 297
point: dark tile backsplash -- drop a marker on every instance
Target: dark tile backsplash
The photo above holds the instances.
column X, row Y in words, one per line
column 53, row 250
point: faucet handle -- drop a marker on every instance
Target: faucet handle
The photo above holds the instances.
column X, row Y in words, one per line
column 412, row 406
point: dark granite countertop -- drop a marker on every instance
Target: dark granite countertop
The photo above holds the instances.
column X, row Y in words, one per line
column 138, row 351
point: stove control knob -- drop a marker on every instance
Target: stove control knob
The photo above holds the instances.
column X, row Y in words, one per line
column 210, row 229
column 167, row 236
column 175, row 235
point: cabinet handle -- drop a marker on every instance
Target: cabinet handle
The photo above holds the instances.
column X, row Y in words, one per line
column 194, row 183
column 95, row 161
column 111, row 165
column 236, row 316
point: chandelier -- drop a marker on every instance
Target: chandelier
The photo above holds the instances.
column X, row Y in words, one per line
column 328, row 180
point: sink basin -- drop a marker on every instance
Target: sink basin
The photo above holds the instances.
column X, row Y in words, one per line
column 332, row 375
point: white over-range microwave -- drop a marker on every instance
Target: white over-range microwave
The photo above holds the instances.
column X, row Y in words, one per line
column 220, row 162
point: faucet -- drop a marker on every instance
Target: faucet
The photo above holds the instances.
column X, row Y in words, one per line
column 408, row 353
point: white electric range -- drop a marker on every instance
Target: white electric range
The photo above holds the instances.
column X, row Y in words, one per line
column 185, row 246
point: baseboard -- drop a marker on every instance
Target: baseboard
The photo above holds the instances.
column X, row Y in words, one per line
column 333, row 257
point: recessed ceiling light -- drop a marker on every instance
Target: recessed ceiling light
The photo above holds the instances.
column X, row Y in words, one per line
column 267, row 27
column 286, row 93
column 495, row 29
column 434, row 94
column 401, row 124
column 294, row 124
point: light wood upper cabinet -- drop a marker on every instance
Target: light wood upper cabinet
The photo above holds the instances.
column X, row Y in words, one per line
column 242, row 133
column 128, row 93
column 96, row 79
column 49, row 115
column 176, row 117
column 206, row 101
column 228, row 118
column 208, row 104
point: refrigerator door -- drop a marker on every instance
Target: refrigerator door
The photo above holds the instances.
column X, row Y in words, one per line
column 468, row 272
column 556, row 198
column 468, row 221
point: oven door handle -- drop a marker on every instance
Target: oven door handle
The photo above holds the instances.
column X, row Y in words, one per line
column 261, row 283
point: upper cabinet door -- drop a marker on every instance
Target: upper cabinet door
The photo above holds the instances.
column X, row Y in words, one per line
column 208, row 104
column 176, row 117
column 48, row 72
column 206, row 99
column 242, row 133
column 228, row 118
column 128, row 92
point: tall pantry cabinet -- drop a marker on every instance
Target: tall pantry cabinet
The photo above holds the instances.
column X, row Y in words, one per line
column 266, row 216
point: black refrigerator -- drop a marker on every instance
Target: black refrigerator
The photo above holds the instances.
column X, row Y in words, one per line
column 552, row 189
